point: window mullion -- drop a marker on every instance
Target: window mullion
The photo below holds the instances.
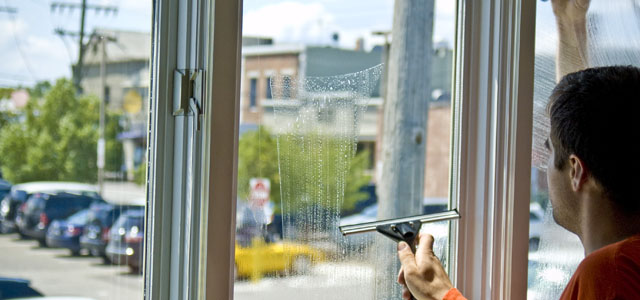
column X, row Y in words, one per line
column 495, row 71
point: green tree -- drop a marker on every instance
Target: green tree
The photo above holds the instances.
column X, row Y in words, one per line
column 56, row 140
column 114, row 155
column 315, row 169
column 258, row 157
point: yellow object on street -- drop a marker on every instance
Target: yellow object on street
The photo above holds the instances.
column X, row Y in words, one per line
column 263, row 258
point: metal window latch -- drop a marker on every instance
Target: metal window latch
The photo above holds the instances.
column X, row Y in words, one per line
column 401, row 229
column 188, row 93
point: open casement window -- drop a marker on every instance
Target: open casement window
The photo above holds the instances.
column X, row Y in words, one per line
column 246, row 203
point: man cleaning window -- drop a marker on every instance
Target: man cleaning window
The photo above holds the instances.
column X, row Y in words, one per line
column 591, row 174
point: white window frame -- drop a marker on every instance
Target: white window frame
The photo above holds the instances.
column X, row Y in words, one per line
column 491, row 154
column 494, row 77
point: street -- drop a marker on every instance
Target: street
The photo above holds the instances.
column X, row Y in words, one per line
column 54, row 272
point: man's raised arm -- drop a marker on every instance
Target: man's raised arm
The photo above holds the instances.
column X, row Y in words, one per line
column 571, row 18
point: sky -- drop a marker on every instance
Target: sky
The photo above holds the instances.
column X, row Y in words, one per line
column 32, row 52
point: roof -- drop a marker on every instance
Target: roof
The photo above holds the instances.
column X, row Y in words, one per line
column 261, row 50
column 329, row 61
column 127, row 46
column 50, row 186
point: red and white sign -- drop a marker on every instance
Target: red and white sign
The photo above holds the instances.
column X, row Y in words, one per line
column 259, row 192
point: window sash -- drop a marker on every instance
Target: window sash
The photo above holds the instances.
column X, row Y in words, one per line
column 491, row 145
column 494, row 76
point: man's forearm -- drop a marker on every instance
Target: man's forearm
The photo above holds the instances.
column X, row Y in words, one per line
column 572, row 46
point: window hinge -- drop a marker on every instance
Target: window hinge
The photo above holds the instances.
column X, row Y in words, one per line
column 188, row 92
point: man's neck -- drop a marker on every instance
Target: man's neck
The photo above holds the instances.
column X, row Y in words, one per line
column 603, row 224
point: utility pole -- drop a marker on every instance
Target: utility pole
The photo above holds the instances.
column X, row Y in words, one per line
column 101, row 140
column 61, row 6
column 78, row 70
column 383, row 95
column 100, row 40
column 7, row 9
column 401, row 187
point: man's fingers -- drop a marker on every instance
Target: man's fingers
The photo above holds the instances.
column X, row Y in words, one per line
column 425, row 244
column 406, row 294
column 407, row 258
column 401, row 277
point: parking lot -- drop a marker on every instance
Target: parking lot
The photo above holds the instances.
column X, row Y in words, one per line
column 55, row 273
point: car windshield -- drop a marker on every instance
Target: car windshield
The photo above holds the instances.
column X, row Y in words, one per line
column 61, row 206
column 34, row 203
column 129, row 220
column 79, row 217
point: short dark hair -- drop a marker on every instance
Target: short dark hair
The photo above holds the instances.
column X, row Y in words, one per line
column 594, row 115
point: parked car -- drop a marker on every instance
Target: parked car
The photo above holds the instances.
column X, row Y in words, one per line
column 536, row 224
column 15, row 288
column 126, row 240
column 5, row 188
column 262, row 257
column 65, row 233
column 42, row 208
column 10, row 204
column 99, row 221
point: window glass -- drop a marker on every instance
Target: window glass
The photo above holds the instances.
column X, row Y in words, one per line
column 74, row 104
column 253, row 92
column 312, row 155
column 612, row 39
column 268, row 88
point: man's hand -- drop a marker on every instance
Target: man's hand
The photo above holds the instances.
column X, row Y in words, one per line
column 571, row 17
column 570, row 10
column 422, row 274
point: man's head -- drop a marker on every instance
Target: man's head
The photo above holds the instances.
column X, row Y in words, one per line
column 594, row 136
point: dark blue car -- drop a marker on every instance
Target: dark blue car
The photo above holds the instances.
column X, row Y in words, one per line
column 15, row 200
column 14, row 288
column 65, row 233
column 96, row 233
column 41, row 209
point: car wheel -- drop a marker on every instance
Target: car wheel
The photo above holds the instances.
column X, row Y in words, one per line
column 75, row 252
column 534, row 244
column 106, row 260
column 301, row 264
column 42, row 243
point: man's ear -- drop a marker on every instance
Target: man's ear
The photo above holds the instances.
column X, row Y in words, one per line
column 578, row 172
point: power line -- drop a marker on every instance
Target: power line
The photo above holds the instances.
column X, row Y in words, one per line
column 11, row 11
column 61, row 7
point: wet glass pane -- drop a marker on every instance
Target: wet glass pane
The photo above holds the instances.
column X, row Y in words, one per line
column 73, row 147
column 312, row 155
column 612, row 35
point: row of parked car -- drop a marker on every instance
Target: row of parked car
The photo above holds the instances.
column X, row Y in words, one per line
column 74, row 216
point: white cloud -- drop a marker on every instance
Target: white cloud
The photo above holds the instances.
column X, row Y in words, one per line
column 290, row 22
column 11, row 28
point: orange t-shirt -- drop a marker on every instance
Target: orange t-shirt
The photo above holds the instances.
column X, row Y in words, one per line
column 453, row 294
column 611, row 272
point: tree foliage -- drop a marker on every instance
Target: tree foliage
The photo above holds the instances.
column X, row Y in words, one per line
column 55, row 140
column 316, row 170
